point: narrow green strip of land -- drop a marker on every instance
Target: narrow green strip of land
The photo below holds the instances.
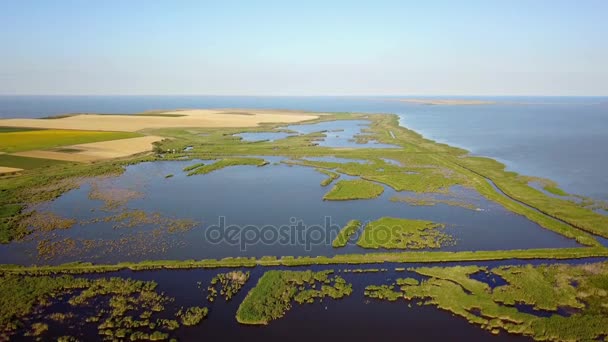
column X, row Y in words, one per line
column 345, row 233
column 331, row 176
column 202, row 169
column 270, row 261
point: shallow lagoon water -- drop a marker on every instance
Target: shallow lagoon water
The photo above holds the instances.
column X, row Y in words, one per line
column 355, row 317
column 263, row 136
column 279, row 196
column 339, row 133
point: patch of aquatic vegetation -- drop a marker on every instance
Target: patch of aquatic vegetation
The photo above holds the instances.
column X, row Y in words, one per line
column 274, row 293
column 568, row 302
column 192, row 316
column 120, row 308
column 346, row 190
column 547, row 185
column 140, row 243
column 398, row 233
column 229, row 284
column 45, row 221
column 331, row 176
column 427, row 200
column 155, row 239
column 590, row 203
column 201, row 169
column 113, row 197
column 346, row 233
column 136, row 217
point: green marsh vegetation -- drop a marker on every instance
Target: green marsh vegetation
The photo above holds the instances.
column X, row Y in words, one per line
column 346, row 190
column 331, row 176
column 398, row 233
column 122, row 308
column 351, row 259
column 346, row 233
column 201, row 169
column 192, row 316
column 272, row 297
column 580, row 290
column 229, row 284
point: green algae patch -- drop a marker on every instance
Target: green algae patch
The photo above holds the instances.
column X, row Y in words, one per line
column 346, row 190
column 346, row 233
column 398, row 233
column 202, row 169
column 568, row 302
column 272, row 297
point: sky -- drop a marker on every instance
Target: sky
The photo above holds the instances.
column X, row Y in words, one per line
column 305, row 47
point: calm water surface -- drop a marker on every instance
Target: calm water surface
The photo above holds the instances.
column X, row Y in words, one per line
column 274, row 198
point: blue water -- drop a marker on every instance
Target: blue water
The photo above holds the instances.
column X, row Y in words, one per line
column 561, row 138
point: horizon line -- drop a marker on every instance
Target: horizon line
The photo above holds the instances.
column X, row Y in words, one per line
column 314, row 95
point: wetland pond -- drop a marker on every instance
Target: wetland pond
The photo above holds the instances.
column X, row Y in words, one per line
column 248, row 211
column 337, row 134
column 356, row 317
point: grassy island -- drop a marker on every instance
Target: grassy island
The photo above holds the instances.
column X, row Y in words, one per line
column 271, row 298
column 390, row 232
column 346, row 190
column 202, row 169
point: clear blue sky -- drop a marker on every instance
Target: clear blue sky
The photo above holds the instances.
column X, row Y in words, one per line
column 304, row 47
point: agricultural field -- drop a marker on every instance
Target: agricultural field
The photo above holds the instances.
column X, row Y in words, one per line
column 26, row 140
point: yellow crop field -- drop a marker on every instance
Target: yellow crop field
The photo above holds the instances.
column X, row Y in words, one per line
column 50, row 138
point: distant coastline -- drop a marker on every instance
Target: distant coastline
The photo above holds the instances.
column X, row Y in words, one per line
column 448, row 102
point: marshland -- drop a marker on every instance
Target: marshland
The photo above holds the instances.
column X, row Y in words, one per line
column 338, row 219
